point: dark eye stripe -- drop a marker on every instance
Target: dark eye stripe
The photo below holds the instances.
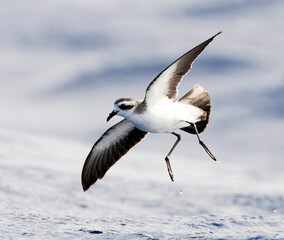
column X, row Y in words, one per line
column 125, row 107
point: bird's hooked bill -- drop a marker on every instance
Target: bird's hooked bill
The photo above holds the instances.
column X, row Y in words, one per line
column 113, row 113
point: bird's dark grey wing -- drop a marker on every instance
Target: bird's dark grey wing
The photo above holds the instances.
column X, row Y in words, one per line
column 166, row 83
column 111, row 146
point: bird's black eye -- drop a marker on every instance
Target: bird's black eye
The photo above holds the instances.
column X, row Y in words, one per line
column 125, row 107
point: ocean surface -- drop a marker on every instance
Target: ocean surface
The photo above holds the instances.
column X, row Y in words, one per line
column 41, row 196
column 64, row 63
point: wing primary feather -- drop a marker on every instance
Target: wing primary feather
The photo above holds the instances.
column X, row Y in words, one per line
column 110, row 147
column 166, row 83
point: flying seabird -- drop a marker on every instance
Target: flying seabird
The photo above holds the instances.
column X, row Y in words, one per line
column 156, row 113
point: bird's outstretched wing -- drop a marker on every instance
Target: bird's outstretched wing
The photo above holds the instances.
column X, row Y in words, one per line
column 166, row 83
column 111, row 146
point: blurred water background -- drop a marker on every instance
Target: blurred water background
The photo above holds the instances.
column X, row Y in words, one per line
column 62, row 65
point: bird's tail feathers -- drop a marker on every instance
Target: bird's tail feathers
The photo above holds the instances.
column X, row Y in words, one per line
column 200, row 98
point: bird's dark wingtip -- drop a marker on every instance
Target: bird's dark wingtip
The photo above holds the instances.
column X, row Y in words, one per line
column 211, row 39
column 217, row 34
column 86, row 184
column 85, row 188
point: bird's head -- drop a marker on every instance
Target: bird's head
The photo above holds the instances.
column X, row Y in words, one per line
column 123, row 107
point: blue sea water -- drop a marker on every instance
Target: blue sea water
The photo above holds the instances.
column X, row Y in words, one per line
column 135, row 200
column 43, row 204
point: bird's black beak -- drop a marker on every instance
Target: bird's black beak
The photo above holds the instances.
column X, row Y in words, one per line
column 113, row 113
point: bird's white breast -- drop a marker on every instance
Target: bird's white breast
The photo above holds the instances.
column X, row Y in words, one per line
column 165, row 116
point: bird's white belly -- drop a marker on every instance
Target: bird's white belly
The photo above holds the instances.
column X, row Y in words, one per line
column 165, row 117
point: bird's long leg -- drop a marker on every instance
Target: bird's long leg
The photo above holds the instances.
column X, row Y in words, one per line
column 169, row 154
column 202, row 143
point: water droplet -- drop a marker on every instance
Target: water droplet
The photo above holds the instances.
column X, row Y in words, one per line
column 180, row 192
column 233, row 175
column 275, row 210
column 266, row 191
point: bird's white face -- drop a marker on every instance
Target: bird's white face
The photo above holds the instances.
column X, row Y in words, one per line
column 123, row 107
